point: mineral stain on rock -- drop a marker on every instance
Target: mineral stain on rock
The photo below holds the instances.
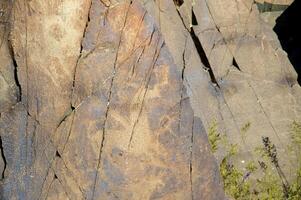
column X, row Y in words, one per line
column 113, row 99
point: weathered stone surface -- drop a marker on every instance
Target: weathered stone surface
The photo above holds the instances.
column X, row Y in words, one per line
column 95, row 96
column 109, row 119
column 46, row 39
column 8, row 88
column 254, row 81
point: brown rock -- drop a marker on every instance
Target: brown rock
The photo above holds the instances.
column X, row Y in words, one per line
column 112, row 99
column 109, row 121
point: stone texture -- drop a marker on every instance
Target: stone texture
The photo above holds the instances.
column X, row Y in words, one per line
column 102, row 111
column 8, row 87
column 112, row 99
column 254, row 80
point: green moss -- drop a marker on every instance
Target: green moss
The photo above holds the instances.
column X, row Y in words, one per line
column 244, row 130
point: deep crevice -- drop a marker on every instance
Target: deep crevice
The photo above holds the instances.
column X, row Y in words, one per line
column 199, row 47
column 184, row 62
column 80, row 55
column 183, row 84
column 289, row 34
column 194, row 21
column 3, row 158
column 179, row 2
column 234, row 63
column 12, row 54
column 203, row 56
column 67, row 114
column 57, row 154
column 17, row 79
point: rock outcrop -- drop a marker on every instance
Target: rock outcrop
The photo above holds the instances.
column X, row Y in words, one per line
column 102, row 111
column 112, row 99
column 235, row 71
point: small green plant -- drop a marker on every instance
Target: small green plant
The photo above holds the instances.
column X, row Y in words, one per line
column 213, row 136
column 295, row 187
column 244, row 130
column 270, row 182
column 295, row 132
column 251, row 167
column 234, row 179
column 271, row 152
column 246, row 127
column 234, row 183
column 269, row 187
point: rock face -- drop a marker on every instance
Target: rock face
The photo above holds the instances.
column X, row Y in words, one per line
column 112, row 99
column 102, row 108
column 242, row 76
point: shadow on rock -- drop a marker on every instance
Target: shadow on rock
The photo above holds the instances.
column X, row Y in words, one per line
column 288, row 31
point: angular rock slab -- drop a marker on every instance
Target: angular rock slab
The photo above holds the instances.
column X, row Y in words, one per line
column 137, row 120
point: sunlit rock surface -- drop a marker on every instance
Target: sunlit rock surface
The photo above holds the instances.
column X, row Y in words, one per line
column 113, row 99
